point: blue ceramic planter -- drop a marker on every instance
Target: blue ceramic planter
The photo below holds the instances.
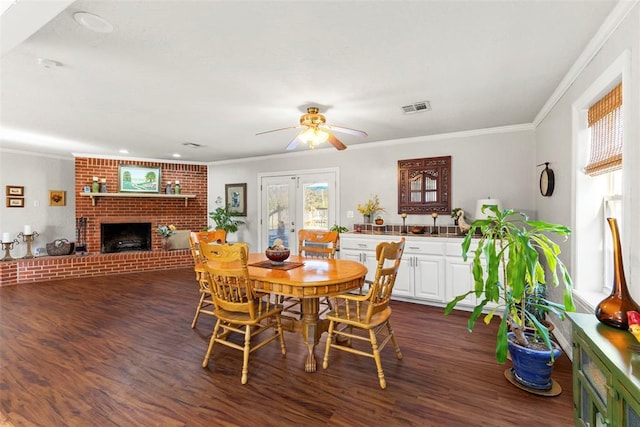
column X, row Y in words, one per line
column 532, row 368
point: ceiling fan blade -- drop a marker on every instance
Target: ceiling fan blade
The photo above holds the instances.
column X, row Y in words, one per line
column 346, row 130
column 336, row 142
column 277, row 130
column 294, row 143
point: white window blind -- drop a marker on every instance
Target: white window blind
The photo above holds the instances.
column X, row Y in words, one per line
column 605, row 123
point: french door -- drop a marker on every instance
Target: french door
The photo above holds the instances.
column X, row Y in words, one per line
column 291, row 201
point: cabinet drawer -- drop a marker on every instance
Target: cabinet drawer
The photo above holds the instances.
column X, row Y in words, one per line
column 358, row 244
column 424, row 247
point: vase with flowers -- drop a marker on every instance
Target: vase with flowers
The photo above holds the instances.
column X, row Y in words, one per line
column 369, row 209
column 166, row 231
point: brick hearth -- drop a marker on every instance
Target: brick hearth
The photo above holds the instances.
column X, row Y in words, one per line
column 157, row 211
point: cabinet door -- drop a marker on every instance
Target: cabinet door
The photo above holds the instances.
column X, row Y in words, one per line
column 404, row 280
column 459, row 281
column 368, row 258
column 628, row 407
column 592, row 383
column 429, row 277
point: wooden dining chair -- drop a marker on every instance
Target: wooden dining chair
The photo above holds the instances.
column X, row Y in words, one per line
column 367, row 317
column 205, row 303
column 237, row 306
column 213, row 236
column 313, row 244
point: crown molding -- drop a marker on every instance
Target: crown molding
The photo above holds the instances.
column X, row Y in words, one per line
column 608, row 27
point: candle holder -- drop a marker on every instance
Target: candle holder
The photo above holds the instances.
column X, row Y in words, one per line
column 8, row 246
column 404, row 227
column 435, row 229
column 28, row 238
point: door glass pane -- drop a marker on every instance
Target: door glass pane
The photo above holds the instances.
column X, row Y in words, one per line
column 631, row 417
column 278, row 214
column 316, row 205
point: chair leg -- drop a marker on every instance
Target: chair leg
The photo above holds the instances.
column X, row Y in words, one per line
column 325, row 362
column 283, row 348
column 393, row 340
column 376, row 356
column 245, row 354
column 216, row 328
column 195, row 319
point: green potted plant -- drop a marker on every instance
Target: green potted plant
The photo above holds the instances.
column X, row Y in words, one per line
column 225, row 219
column 339, row 229
column 509, row 274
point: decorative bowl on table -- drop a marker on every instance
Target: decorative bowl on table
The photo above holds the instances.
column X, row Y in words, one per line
column 277, row 256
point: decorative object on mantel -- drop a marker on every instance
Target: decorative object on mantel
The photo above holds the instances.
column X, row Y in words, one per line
column 138, row 179
column 613, row 310
column 370, row 208
column 28, row 235
column 60, row 247
column 379, row 221
column 8, row 243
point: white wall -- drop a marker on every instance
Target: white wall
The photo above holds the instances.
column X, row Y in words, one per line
column 554, row 139
column 497, row 162
column 38, row 174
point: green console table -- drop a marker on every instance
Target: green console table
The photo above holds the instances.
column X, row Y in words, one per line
column 606, row 374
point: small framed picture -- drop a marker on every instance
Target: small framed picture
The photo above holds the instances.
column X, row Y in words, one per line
column 15, row 191
column 236, row 198
column 15, row 202
column 57, row 198
column 138, row 179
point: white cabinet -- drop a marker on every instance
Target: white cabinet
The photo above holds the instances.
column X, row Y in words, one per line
column 421, row 274
column 361, row 250
column 432, row 270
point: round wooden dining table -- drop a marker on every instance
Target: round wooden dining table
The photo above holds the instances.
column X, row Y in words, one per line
column 308, row 279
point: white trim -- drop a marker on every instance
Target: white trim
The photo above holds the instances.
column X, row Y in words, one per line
column 610, row 24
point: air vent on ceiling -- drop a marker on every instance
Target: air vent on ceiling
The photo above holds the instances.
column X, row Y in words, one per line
column 191, row 144
column 416, row 107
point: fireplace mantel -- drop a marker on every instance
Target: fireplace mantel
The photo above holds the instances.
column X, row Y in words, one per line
column 94, row 196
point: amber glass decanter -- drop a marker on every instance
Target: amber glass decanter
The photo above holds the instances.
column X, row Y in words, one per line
column 612, row 310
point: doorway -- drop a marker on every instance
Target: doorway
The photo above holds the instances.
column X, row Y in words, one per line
column 290, row 201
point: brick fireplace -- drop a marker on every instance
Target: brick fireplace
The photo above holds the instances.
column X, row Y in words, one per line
column 112, row 210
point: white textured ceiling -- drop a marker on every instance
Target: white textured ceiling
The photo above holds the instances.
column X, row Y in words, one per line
column 216, row 73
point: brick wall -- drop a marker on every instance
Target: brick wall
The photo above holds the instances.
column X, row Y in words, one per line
column 157, row 211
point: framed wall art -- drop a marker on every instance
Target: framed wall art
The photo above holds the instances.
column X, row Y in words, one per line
column 236, row 198
column 15, row 202
column 57, row 198
column 15, row 191
column 138, row 179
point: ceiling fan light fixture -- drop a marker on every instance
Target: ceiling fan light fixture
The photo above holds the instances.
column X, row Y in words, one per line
column 314, row 136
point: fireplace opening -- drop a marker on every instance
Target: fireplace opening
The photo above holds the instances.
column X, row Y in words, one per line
column 125, row 237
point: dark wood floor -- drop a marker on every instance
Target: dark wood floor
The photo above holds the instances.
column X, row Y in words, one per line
column 119, row 350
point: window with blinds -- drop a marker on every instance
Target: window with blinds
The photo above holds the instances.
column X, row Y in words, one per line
column 605, row 123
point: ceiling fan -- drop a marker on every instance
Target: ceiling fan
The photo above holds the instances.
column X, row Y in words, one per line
column 317, row 131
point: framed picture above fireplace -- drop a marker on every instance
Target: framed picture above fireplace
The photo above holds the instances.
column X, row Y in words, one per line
column 138, row 179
